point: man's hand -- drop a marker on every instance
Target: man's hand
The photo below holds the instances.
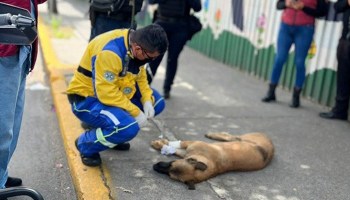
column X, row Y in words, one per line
column 141, row 119
column 148, row 109
column 349, row 2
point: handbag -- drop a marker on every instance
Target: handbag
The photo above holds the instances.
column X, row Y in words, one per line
column 195, row 26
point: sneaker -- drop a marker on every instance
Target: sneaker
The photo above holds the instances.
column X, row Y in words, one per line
column 92, row 161
column 122, row 147
column 13, row 182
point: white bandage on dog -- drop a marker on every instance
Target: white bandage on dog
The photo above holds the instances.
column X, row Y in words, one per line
column 167, row 150
column 170, row 148
column 175, row 144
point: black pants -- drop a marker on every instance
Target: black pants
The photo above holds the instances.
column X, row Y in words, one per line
column 177, row 34
column 343, row 77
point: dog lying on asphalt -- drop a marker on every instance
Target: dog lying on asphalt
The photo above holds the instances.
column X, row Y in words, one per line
column 201, row 161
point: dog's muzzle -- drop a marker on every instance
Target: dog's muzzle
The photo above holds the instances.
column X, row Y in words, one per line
column 162, row 167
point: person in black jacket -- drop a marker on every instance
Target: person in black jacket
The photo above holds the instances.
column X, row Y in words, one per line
column 120, row 17
column 341, row 107
column 173, row 16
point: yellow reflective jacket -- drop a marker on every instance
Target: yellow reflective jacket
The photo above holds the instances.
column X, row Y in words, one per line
column 99, row 69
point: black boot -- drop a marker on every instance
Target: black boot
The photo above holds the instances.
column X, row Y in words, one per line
column 270, row 96
column 296, row 98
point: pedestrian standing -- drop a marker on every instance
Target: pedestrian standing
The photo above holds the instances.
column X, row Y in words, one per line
column 173, row 16
column 341, row 107
column 16, row 61
column 297, row 27
column 118, row 15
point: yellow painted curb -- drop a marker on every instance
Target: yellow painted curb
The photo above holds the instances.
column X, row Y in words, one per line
column 91, row 183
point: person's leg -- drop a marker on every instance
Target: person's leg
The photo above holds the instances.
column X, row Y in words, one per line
column 343, row 78
column 103, row 24
column 303, row 40
column 12, row 77
column 284, row 42
column 177, row 41
column 159, row 103
column 341, row 107
column 155, row 63
column 113, row 126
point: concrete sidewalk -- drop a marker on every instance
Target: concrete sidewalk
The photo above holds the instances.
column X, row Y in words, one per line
column 311, row 160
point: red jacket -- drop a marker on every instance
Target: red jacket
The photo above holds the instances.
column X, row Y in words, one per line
column 10, row 50
column 299, row 17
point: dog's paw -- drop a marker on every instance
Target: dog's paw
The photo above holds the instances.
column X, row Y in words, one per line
column 158, row 144
column 220, row 136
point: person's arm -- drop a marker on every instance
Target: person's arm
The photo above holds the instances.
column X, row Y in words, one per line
column 320, row 10
column 196, row 5
column 281, row 5
column 145, row 90
column 107, row 68
column 341, row 5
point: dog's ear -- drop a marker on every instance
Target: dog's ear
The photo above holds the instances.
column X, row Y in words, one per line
column 201, row 166
column 197, row 164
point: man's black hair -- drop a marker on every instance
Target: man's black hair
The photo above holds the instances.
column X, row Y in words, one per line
column 152, row 38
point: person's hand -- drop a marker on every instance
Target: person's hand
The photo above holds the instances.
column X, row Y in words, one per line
column 141, row 119
column 298, row 5
column 349, row 2
column 148, row 109
column 295, row 4
column 289, row 3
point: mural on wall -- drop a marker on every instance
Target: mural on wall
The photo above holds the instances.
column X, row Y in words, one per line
column 258, row 21
column 237, row 13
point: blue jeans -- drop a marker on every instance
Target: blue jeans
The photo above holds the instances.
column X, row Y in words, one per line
column 301, row 36
column 112, row 125
column 13, row 73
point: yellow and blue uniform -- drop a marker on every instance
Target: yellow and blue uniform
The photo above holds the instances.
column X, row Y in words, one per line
column 108, row 101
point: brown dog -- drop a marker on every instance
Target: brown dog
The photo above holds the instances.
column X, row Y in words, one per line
column 201, row 161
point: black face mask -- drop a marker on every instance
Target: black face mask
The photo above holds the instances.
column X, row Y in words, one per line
column 138, row 63
column 135, row 64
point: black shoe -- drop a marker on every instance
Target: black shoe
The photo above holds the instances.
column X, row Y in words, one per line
column 92, row 161
column 122, row 147
column 333, row 115
column 166, row 95
column 13, row 182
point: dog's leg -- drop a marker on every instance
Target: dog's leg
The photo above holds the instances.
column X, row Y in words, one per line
column 158, row 144
column 222, row 136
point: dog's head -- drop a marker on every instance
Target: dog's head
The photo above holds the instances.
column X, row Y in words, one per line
column 188, row 170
